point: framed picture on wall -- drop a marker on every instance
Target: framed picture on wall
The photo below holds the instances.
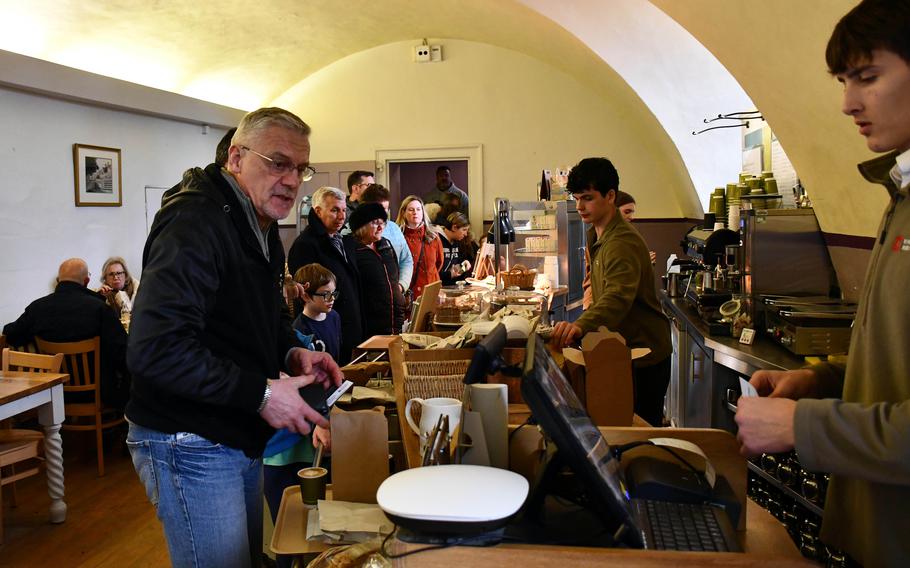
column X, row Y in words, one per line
column 97, row 171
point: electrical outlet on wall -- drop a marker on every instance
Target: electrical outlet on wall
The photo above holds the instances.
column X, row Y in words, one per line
column 422, row 53
column 435, row 53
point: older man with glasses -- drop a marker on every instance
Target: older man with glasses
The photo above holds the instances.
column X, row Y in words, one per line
column 210, row 335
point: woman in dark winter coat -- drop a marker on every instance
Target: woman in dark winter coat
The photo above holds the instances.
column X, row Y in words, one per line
column 377, row 264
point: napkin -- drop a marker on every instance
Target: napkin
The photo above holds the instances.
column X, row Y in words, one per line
column 365, row 393
column 343, row 521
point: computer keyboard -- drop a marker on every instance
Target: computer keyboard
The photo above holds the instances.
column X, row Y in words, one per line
column 679, row 526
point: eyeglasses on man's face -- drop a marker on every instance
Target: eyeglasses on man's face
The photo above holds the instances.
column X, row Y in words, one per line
column 282, row 167
column 327, row 296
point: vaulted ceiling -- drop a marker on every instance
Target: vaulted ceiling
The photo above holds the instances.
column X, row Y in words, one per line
column 245, row 54
column 676, row 55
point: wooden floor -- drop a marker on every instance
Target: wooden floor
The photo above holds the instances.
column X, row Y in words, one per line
column 109, row 520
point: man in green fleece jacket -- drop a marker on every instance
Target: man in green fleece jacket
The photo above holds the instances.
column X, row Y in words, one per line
column 622, row 283
column 854, row 421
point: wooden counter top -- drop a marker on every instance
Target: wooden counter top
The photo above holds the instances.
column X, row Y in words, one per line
column 766, row 543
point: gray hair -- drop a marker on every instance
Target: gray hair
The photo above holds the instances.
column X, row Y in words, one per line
column 361, row 233
column 324, row 192
column 255, row 122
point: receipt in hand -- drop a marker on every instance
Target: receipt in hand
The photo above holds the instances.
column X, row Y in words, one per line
column 747, row 388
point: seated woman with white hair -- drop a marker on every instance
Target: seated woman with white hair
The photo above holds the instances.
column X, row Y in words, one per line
column 117, row 285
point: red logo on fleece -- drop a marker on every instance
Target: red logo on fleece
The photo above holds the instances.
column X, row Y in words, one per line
column 898, row 242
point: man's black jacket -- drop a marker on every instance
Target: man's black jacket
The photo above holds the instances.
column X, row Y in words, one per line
column 209, row 324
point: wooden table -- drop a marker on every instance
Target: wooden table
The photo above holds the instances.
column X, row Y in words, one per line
column 20, row 392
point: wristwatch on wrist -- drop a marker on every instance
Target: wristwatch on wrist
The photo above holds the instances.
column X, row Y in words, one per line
column 265, row 396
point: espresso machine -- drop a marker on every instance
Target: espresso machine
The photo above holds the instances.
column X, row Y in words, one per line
column 710, row 282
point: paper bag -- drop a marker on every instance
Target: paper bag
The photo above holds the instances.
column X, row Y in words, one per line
column 360, row 454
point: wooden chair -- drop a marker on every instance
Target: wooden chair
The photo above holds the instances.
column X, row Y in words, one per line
column 82, row 360
column 18, row 445
column 30, row 362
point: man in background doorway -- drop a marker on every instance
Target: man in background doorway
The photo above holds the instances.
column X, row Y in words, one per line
column 446, row 192
column 358, row 181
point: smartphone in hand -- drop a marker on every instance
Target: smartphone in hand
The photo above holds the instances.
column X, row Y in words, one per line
column 320, row 399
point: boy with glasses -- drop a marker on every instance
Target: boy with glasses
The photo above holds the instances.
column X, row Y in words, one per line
column 319, row 329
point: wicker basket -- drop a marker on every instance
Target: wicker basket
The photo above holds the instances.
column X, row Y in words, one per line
column 429, row 379
column 428, row 374
column 519, row 276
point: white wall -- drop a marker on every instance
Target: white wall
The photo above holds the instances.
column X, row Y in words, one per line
column 527, row 114
column 40, row 226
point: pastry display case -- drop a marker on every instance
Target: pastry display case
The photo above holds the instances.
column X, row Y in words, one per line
column 550, row 238
column 459, row 304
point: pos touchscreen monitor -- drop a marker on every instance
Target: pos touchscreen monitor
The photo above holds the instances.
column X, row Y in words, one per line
column 581, row 446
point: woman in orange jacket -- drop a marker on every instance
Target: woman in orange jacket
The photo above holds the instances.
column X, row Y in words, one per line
column 426, row 248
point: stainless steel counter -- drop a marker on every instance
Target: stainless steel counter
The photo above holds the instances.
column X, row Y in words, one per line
column 729, row 352
column 705, row 369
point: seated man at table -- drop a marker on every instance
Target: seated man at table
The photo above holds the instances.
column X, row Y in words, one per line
column 73, row 313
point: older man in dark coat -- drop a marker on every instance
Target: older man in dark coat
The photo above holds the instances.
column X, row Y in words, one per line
column 321, row 242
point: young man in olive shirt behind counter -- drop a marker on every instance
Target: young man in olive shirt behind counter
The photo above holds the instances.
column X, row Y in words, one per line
column 854, row 421
column 622, row 282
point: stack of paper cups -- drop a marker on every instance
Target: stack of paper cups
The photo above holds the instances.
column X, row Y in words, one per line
column 492, row 402
column 733, row 218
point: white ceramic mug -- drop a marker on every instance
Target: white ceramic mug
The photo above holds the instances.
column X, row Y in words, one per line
column 430, row 411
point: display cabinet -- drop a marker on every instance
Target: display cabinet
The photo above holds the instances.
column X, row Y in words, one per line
column 550, row 238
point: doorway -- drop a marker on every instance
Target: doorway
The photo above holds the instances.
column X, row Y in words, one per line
column 466, row 163
column 419, row 178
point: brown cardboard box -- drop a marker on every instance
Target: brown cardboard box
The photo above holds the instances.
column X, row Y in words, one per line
column 601, row 374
